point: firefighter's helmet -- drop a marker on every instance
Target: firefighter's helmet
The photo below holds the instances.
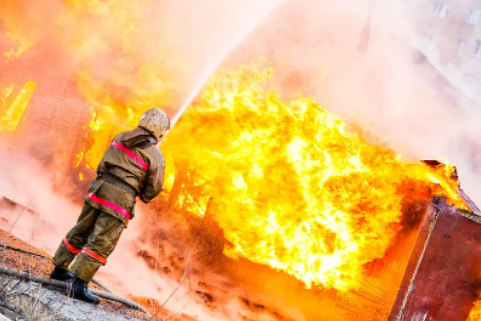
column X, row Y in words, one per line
column 155, row 121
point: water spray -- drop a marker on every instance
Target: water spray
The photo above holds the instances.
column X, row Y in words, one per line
column 219, row 58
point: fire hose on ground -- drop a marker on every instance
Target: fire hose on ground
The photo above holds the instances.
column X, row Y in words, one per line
column 8, row 247
column 42, row 280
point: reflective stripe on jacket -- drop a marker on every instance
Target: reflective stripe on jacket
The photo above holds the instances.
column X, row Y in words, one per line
column 137, row 162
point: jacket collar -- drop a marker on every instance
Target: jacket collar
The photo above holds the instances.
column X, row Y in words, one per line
column 145, row 130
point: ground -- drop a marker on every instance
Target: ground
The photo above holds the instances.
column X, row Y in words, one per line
column 25, row 300
column 31, row 301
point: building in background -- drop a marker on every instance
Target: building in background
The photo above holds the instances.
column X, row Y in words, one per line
column 449, row 34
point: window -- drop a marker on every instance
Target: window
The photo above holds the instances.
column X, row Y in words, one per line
column 461, row 46
column 473, row 16
column 427, row 43
column 441, row 10
column 477, row 51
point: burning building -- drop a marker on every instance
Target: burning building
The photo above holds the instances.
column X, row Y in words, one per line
column 287, row 209
column 352, row 265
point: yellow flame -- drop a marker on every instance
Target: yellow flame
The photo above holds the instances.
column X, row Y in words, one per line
column 475, row 314
column 102, row 135
column 295, row 187
column 12, row 115
column 79, row 158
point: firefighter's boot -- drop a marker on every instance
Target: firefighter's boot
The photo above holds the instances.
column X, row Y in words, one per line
column 78, row 289
column 61, row 274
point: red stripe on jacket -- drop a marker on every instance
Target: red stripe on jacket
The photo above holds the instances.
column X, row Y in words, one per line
column 132, row 155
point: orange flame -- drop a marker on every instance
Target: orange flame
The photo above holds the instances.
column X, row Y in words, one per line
column 475, row 314
column 26, row 22
column 295, row 187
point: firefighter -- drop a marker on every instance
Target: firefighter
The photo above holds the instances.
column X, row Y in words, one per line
column 132, row 166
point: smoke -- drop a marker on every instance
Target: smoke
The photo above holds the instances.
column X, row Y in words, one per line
column 121, row 63
column 355, row 58
column 25, row 181
column 44, row 214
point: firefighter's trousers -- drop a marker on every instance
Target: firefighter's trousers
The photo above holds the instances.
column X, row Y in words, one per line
column 89, row 242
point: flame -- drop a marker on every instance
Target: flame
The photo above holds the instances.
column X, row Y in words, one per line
column 137, row 65
column 11, row 115
column 26, row 23
column 82, row 28
column 98, row 26
column 117, row 107
column 98, row 136
column 295, row 187
column 475, row 314
column 134, row 77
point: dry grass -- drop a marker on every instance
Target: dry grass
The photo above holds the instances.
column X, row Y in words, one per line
column 23, row 299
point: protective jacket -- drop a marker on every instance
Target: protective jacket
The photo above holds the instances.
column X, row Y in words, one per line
column 134, row 160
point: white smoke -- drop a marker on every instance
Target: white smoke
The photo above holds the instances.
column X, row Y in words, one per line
column 357, row 61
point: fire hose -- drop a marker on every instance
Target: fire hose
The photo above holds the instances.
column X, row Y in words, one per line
column 8, row 247
column 42, row 280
